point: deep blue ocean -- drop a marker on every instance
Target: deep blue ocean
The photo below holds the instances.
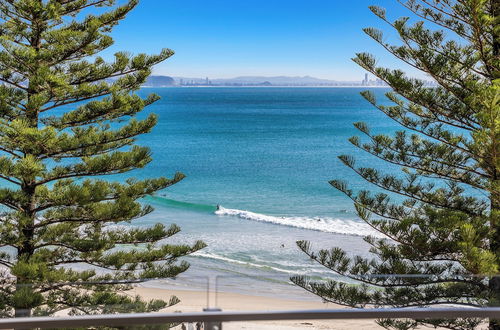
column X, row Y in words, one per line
column 265, row 155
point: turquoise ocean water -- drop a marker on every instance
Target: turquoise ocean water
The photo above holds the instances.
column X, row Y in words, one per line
column 266, row 156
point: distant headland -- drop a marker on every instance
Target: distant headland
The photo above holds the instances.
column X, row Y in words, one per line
column 277, row 81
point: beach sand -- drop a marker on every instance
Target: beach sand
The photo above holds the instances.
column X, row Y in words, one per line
column 195, row 301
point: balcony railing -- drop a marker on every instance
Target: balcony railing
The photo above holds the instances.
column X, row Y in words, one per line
column 214, row 300
column 213, row 319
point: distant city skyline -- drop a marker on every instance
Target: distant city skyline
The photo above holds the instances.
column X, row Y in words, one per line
column 263, row 81
column 225, row 39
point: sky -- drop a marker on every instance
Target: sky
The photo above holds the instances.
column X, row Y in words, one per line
column 227, row 38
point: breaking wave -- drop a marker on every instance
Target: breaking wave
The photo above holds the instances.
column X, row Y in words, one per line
column 328, row 225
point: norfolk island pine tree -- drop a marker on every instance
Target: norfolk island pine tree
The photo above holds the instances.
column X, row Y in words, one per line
column 67, row 121
column 444, row 227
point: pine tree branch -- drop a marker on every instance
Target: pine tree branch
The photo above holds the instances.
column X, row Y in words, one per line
column 440, row 257
column 369, row 279
column 10, row 152
column 53, row 286
column 11, row 206
column 19, row 43
column 88, row 5
column 463, row 125
column 478, row 40
column 82, row 174
column 385, row 233
column 60, row 103
column 443, row 82
column 5, row 10
column 10, row 67
column 10, row 180
column 82, row 220
column 443, row 176
column 60, row 153
column 105, row 266
column 329, row 300
column 367, row 207
column 20, row 61
column 13, row 83
column 447, row 13
column 57, row 104
column 434, row 49
column 439, row 110
column 116, row 162
column 93, row 80
column 423, row 132
column 421, row 157
column 366, row 279
column 48, row 205
column 439, row 23
column 89, row 154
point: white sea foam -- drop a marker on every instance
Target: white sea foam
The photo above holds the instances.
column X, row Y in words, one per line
column 280, row 267
column 328, row 225
column 240, row 262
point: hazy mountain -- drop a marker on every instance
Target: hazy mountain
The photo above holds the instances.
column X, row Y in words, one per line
column 262, row 81
column 279, row 80
column 159, row 81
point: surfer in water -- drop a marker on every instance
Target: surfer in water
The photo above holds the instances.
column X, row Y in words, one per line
column 218, row 207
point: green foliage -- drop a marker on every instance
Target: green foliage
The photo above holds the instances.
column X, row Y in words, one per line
column 67, row 115
column 441, row 213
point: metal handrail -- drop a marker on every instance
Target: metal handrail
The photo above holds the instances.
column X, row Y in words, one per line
column 317, row 314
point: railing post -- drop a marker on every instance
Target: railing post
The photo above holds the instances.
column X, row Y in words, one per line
column 212, row 325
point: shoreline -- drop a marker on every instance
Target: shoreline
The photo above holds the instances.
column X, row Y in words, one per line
column 195, row 301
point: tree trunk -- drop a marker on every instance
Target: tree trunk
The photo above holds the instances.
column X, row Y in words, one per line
column 26, row 250
column 494, row 283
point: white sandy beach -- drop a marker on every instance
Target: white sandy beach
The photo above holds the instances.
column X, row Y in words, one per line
column 195, row 301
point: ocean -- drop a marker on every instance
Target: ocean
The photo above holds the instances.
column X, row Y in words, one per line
column 265, row 155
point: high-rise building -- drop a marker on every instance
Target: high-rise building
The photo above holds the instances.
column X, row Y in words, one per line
column 365, row 81
column 207, row 82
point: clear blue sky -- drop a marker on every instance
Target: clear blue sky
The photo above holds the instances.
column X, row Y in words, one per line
column 227, row 38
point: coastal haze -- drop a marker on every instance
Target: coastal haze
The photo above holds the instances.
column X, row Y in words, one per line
column 257, row 81
column 272, row 81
